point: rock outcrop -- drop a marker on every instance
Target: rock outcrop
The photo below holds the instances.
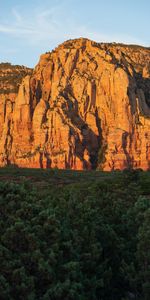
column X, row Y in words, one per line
column 10, row 79
column 85, row 106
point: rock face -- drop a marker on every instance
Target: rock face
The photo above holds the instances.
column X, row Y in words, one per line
column 10, row 80
column 85, row 106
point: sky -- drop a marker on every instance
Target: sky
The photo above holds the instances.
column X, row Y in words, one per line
column 29, row 28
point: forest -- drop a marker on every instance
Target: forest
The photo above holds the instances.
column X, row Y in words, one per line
column 74, row 235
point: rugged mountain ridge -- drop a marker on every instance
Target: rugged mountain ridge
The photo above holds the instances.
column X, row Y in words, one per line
column 85, row 105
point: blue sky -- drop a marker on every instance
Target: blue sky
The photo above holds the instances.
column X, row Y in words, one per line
column 31, row 27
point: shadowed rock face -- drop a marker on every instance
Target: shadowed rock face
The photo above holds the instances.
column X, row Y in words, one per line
column 86, row 105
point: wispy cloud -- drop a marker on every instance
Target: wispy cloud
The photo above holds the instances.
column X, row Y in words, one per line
column 54, row 25
column 17, row 31
column 17, row 15
column 41, row 25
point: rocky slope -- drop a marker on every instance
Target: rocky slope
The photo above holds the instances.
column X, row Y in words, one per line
column 86, row 105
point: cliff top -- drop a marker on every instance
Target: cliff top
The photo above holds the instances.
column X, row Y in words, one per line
column 79, row 42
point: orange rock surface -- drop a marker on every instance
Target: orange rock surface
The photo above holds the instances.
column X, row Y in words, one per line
column 85, row 106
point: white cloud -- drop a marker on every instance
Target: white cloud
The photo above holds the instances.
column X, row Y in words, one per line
column 41, row 25
column 17, row 15
column 53, row 25
column 16, row 30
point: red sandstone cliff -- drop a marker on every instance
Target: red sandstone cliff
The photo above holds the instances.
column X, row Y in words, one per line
column 86, row 105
